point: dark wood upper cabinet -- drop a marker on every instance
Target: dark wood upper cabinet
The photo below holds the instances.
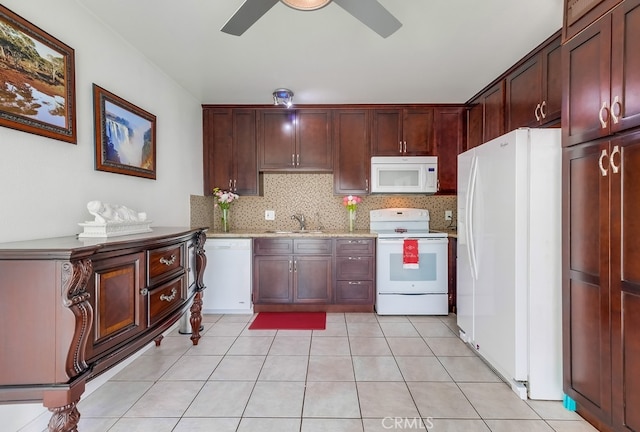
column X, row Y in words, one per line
column 449, row 139
column 485, row 115
column 402, row 131
column 534, row 89
column 475, row 113
column 295, row 140
column 352, row 157
column 229, row 151
column 579, row 14
column 601, row 77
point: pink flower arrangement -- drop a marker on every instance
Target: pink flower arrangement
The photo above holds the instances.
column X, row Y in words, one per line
column 224, row 198
column 351, row 202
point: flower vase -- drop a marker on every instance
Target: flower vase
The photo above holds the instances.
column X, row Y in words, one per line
column 352, row 219
column 225, row 220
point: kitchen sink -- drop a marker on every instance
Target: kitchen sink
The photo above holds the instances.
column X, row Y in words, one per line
column 294, row 232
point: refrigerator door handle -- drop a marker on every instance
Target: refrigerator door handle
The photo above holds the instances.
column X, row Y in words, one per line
column 470, row 203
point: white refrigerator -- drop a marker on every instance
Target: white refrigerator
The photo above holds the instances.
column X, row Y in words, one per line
column 509, row 258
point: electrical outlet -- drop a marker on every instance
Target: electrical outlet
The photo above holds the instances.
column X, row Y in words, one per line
column 448, row 215
column 269, row 215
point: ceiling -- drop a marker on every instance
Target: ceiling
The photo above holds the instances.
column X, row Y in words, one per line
column 445, row 52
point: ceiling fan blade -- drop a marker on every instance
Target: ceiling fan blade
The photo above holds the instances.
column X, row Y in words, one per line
column 372, row 14
column 247, row 15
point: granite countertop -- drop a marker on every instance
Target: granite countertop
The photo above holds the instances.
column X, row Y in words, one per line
column 240, row 233
column 270, row 233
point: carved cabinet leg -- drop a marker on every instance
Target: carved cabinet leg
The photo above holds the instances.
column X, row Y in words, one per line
column 65, row 418
column 196, row 317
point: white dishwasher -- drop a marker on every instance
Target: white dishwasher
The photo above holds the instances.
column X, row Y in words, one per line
column 227, row 276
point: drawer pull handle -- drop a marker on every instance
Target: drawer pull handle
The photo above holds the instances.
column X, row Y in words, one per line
column 355, row 283
column 169, row 261
column 169, row 298
column 354, row 258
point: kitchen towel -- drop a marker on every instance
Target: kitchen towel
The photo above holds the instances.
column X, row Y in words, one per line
column 410, row 255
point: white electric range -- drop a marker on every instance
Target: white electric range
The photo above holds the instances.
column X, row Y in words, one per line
column 409, row 291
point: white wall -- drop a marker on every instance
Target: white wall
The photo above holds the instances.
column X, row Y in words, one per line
column 45, row 184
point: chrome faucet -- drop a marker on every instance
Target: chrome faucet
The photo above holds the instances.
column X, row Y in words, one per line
column 301, row 220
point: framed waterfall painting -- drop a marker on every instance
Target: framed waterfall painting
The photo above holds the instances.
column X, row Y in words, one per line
column 37, row 80
column 125, row 136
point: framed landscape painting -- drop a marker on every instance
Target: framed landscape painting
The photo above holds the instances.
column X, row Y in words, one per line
column 37, row 81
column 125, row 136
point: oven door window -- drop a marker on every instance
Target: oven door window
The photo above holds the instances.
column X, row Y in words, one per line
column 427, row 270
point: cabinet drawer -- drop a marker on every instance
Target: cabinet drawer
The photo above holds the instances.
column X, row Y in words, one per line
column 164, row 263
column 354, row 292
column 355, row 246
column 271, row 246
column 312, row 246
column 354, row 268
column 165, row 299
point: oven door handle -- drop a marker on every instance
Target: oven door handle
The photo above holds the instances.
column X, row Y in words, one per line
column 421, row 240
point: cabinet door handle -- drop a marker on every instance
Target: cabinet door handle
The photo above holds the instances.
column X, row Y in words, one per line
column 230, row 183
column 293, row 159
column 603, row 121
column 295, row 266
column 405, row 146
column 144, row 291
column 366, row 185
column 235, row 187
column 290, row 266
column 603, row 155
column 614, row 167
column 168, row 262
column 614, row 117
column 542, row 113
column 536, row 111
column 298, row 159
column 400, row 146
column 169, row 298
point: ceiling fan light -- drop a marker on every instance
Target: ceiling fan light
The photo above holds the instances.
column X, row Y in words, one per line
column 306, row 4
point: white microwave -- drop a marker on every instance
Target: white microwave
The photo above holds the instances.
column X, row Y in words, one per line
column 404, row 174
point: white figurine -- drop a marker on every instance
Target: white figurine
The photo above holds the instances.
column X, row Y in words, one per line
column 105, row 212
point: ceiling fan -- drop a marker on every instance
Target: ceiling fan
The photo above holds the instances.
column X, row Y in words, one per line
column 369, row 12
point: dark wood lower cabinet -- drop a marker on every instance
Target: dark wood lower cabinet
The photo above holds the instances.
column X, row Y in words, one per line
column 313, row 274
column 72, row 308
column 601, row 280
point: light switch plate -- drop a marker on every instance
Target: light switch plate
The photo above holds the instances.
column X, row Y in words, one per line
column 269, row 215
column 448, row 215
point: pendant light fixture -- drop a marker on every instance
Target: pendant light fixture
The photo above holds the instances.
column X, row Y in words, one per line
column 283, row 96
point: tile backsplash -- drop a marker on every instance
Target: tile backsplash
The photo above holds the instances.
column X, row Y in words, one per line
column 311, row 195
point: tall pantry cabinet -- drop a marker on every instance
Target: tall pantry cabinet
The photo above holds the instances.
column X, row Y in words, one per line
column 601, row 237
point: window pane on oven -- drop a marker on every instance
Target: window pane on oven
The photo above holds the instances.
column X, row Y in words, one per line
column 427, row 270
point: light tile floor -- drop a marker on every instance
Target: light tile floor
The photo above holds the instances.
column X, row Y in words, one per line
column 364, row 373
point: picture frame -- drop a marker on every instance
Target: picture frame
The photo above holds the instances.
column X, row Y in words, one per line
column 37, row 80
column 125, row 136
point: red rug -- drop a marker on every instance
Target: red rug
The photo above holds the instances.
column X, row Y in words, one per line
column 289, row 321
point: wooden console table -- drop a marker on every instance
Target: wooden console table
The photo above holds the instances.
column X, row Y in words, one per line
column 72, row 308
